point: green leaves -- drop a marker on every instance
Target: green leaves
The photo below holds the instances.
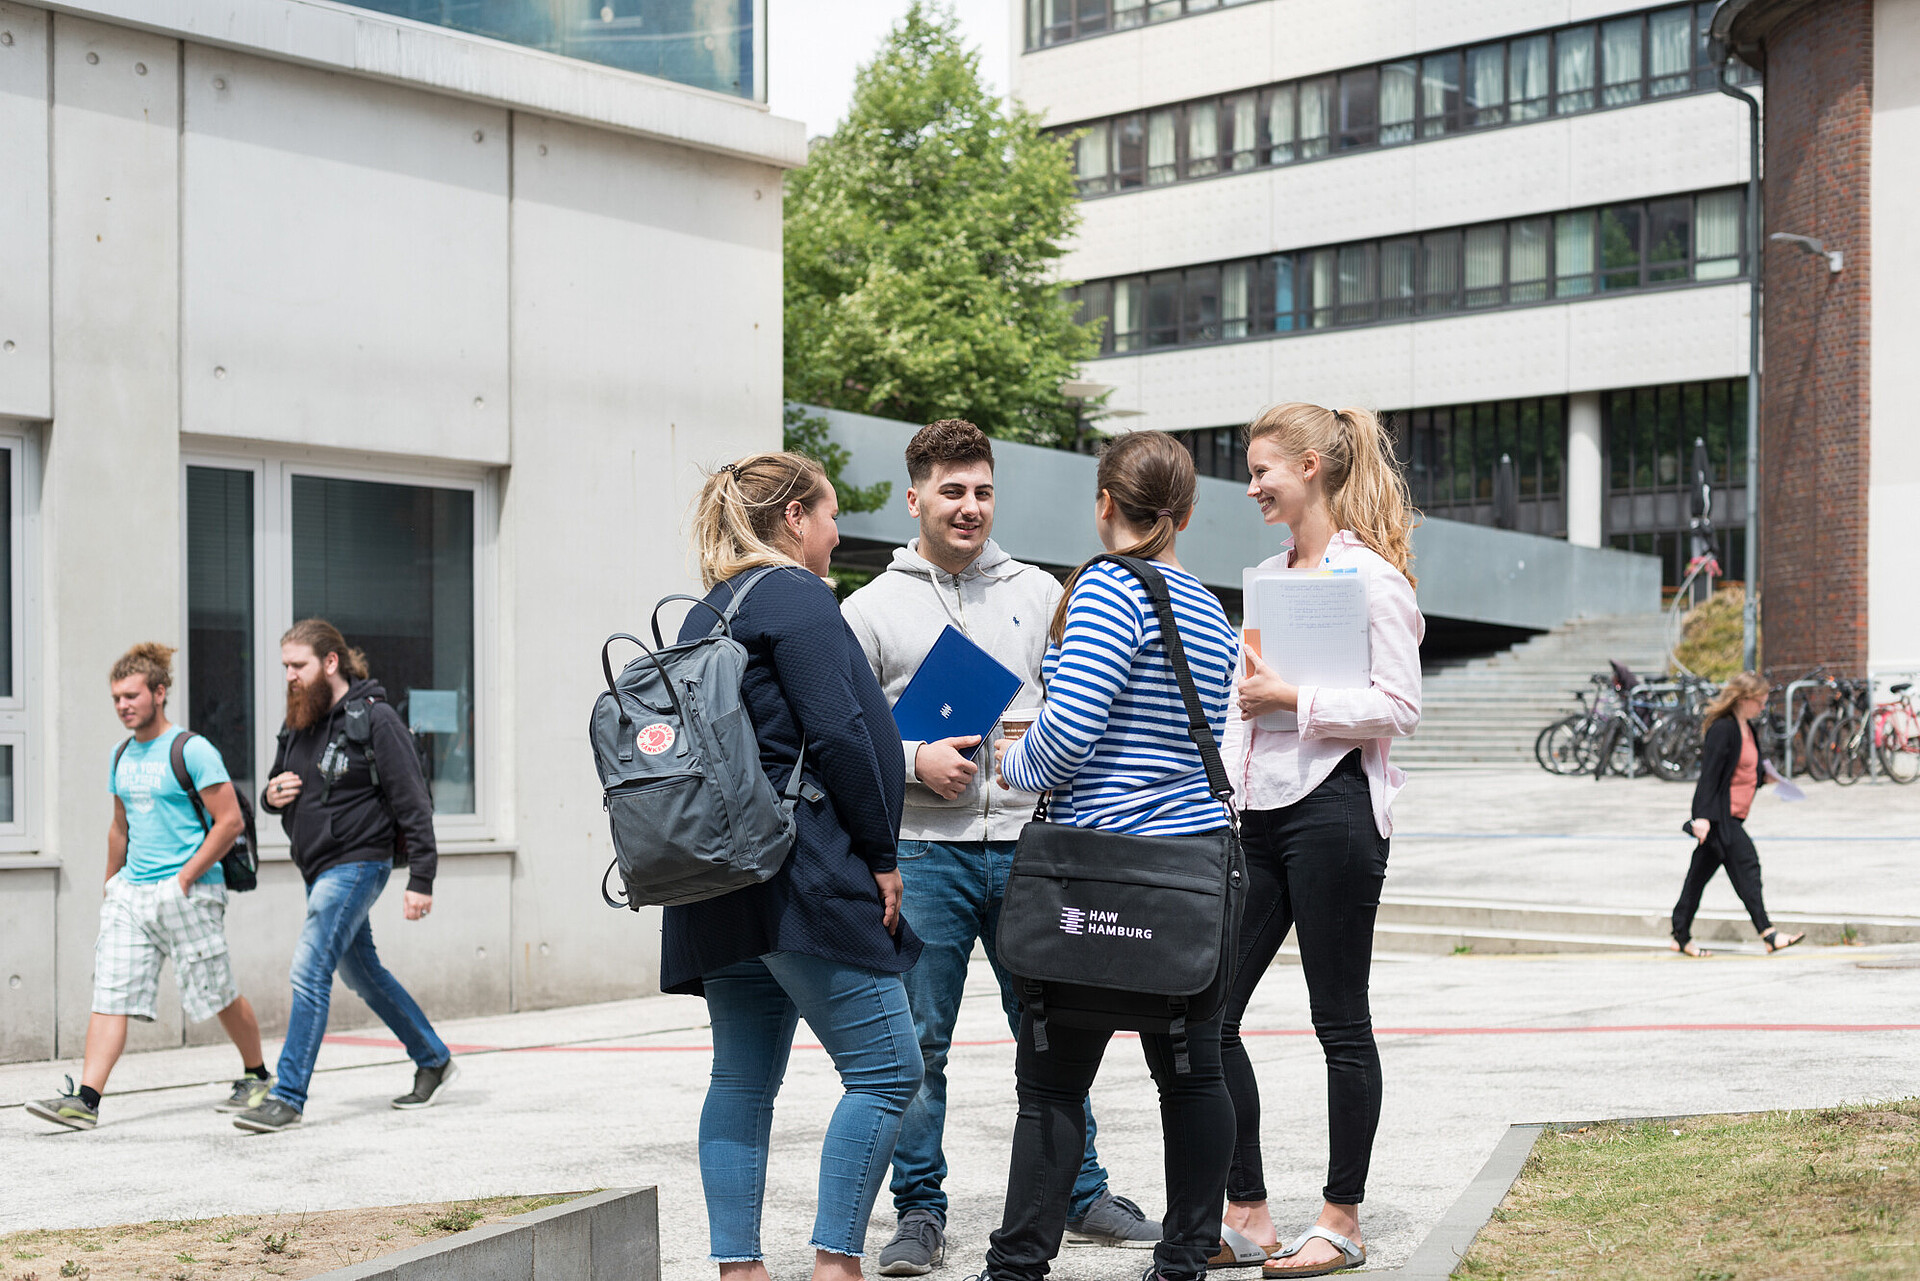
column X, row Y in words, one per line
column 812, row 435
column 920, row 243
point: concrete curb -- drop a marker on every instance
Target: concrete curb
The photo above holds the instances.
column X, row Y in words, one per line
column 609, row 1236
column 1450, row 1239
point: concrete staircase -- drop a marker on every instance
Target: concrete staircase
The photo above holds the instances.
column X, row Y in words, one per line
column 1485, row 712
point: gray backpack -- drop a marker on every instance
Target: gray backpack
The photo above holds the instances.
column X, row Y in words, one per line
column 693, row 814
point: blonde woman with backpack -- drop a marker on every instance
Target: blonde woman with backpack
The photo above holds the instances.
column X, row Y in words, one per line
column 1316, row 810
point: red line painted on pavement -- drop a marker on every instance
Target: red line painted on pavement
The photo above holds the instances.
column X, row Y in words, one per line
column 1586, row 1029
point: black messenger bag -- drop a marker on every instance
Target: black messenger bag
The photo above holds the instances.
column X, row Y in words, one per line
column 1108, row 930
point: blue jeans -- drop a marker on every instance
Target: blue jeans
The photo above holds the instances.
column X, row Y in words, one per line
column 953, row 896
column 861, row 1018
column 337, row 936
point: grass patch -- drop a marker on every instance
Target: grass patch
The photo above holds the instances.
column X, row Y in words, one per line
column 1831, row 1194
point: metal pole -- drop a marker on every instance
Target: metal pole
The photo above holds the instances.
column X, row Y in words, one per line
column 1749, row 615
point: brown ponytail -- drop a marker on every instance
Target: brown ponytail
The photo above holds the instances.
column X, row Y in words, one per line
column 1365, row 486
column 1150, row 478
column 323, row 638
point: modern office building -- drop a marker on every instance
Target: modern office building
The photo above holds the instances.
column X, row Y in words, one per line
column 1518, row 226
column 308, row 308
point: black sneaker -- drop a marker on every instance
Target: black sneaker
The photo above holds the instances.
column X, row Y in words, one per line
column 1113, row 1221
column 917, row 1248
column 427, row 1083
column 272, row 1116
column 248, row 1092
column 69, row 1110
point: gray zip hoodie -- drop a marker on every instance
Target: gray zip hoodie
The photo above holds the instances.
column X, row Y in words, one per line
column 1004, row 606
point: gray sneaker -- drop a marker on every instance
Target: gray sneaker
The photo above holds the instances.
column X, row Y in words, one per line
column 427, row 1083
column 272, row 1116
column 248, row 1092
column 917, row 1248
column 1114, row 1221
column 69, row 1110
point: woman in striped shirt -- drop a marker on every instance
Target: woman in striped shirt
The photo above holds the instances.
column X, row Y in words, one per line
column 1111, row 743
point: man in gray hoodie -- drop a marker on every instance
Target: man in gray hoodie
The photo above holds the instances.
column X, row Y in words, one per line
column 957, row 833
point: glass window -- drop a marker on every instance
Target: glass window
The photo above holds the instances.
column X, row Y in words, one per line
column 1527, row 78
column 1235, row 294
column 1359, row 108
column 1320, row 280
column 1398, row 82
column 1163, row 309
column 1091, row 18
column 1716, row 231
column 1440, row 271
column 1316, row 117
column 1200, row 321
column 1129, row 152
column 1203, row 139
column 1356, row 284
column 1129, row 314
column 1573, row 255
column 220, row 620
column 1620, row 247
column 1439, row 93
column 1277, row 292
column 1487, row 84
column 1553, row 432
column 1163, row 140
column 1573, row 70
column 1090, row 156
column 1669, row 232
column 1129, row 13
column 1703, row 68
column 1528, row 252
column 1399, row 262
column 1240, row 130
column 1161, row 10
column 1670, row 51
column 392, row 567
column 7, row 620
column 1620, row 62
column 1486, row 252
column 1277, row 118
column 1095, row 300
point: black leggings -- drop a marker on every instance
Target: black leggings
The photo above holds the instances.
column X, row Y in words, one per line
column 1318, row 864
column 1727, row 845
column 1050, row 1140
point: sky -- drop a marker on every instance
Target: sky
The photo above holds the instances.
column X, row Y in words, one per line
column 811, row 61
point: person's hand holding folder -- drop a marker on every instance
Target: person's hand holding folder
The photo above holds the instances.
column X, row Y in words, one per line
column 946, row 764
column 1263, row 690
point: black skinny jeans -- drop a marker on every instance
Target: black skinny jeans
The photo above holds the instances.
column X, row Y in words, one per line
column 1727, row 845
column 1050, row 1139
column 1316, row 865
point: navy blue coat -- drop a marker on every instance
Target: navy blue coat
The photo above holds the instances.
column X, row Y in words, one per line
column 805, row 670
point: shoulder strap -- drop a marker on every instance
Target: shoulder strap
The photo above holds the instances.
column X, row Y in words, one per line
column 740, row 592
column 1197, row 727
column 178, row 755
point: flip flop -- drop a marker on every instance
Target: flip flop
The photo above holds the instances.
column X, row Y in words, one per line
column 1772, row 938
column 1351, row 1255
column 1689, row 948
column 1237, row 1251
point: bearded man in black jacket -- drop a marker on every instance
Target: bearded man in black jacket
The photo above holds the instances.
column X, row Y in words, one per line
column 353, row 800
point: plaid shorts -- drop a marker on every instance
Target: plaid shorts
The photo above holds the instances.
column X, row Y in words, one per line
column 139, row 925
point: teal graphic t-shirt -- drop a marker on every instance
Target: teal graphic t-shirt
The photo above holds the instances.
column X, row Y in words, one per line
column 162, row 829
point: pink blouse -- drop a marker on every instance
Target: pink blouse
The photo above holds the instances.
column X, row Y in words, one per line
column 1274, row 768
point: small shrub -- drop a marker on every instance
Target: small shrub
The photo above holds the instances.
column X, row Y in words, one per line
column 72, row 1269
column 275, row 1242
column 1712, row 635
column 455, row 1218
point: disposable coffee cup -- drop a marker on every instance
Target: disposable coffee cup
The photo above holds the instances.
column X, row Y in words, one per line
column 1017, row 720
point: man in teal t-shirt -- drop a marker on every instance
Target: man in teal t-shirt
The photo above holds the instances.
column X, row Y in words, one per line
column 165, row 895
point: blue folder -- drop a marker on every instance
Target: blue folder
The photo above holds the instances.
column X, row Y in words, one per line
column 958, row 689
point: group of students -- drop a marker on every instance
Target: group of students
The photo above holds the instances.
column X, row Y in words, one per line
column 353, row 799
column 867, row 929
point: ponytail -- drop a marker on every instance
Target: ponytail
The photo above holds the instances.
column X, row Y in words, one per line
column 1150, row 478
column 739, row 519
column 1365, row 487
column 323, row 638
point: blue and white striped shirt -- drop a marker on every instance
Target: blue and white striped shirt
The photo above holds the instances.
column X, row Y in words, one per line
column 1112, row 740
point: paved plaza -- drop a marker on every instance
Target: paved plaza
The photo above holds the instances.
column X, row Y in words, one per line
column 609, row 1095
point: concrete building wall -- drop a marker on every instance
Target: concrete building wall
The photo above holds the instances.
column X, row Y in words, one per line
column 1893, row 558
column 259, row 255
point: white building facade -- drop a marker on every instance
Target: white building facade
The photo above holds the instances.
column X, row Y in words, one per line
column 1517, row 225
column 311, row 309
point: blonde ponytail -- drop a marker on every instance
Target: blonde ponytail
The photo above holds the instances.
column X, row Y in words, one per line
column 1365, row 486
column 739, row 518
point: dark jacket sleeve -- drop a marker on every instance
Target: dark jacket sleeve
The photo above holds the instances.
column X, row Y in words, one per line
column 279, row 767
column 407, row 796
column 1713, row 794
column 813, row 654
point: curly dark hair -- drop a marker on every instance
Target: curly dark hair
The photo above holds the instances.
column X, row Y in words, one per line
column 951, row 441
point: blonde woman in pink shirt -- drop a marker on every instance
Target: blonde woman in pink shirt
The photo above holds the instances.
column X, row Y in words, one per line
column 1315, row 810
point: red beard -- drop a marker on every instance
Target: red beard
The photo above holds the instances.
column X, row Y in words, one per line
column 307, row 704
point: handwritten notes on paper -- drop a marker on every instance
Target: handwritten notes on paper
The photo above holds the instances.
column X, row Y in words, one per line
column 1310, row 626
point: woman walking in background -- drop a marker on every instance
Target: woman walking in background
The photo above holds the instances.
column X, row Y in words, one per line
column 1729, row 776
column 1315, row 811
column 823, row 938
column 1111, row 742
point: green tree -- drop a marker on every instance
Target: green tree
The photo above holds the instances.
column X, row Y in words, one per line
column 812, row 435
column 920, row 244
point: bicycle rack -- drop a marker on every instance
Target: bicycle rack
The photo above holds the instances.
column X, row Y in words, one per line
column 1791, row 687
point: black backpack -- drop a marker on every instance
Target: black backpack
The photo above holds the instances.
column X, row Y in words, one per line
column 240, row 865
